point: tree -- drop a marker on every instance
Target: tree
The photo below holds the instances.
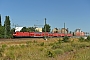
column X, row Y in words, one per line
column 88, row 38
column 73, row 34
column 67, row 30
column 29, row 29
column 12, row 31
column 0, row 20
column 32, row 29
column 47, row 28
column 24, row 29
column 7, row 25
column 70, row 32
column 81, row 39
column 2, row 29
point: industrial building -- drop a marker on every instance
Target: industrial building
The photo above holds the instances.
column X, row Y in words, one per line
column 18, row 29
column 38, row 29
column 62, row 30
column 78, row 32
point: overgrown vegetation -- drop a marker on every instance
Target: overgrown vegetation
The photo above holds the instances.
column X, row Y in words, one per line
column 81, row 39
column 88, row 38
column 45, row 50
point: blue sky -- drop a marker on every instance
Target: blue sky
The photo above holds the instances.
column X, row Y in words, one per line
column 75, row 13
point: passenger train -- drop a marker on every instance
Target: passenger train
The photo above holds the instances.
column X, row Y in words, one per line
column 39, row 34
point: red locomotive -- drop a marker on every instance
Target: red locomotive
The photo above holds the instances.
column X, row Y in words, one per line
column 39, row 34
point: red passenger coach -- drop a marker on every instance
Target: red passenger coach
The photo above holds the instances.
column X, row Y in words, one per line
column 25, row 34
column 50, row 35
column 38, row 34
column 31, row 34
column 18, row 34
column 69, row 35
column 45, row 34
column 59, row 35
column 62, row 34
column 55, row 34
column 21, row 34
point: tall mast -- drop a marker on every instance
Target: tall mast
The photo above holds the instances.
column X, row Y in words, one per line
column 64, row 28
column 0, row 19
column 45, row 29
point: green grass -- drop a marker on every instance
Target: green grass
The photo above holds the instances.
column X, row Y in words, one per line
column 34, row 50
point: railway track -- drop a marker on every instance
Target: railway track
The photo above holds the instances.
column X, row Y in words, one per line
column 24, row 39
column 19, row 39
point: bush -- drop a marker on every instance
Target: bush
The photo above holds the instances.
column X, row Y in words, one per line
column 42, row 44
column 4, row 46
column 81, row 39
column 88, row 38
column 50, row 53
column 66, row 39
